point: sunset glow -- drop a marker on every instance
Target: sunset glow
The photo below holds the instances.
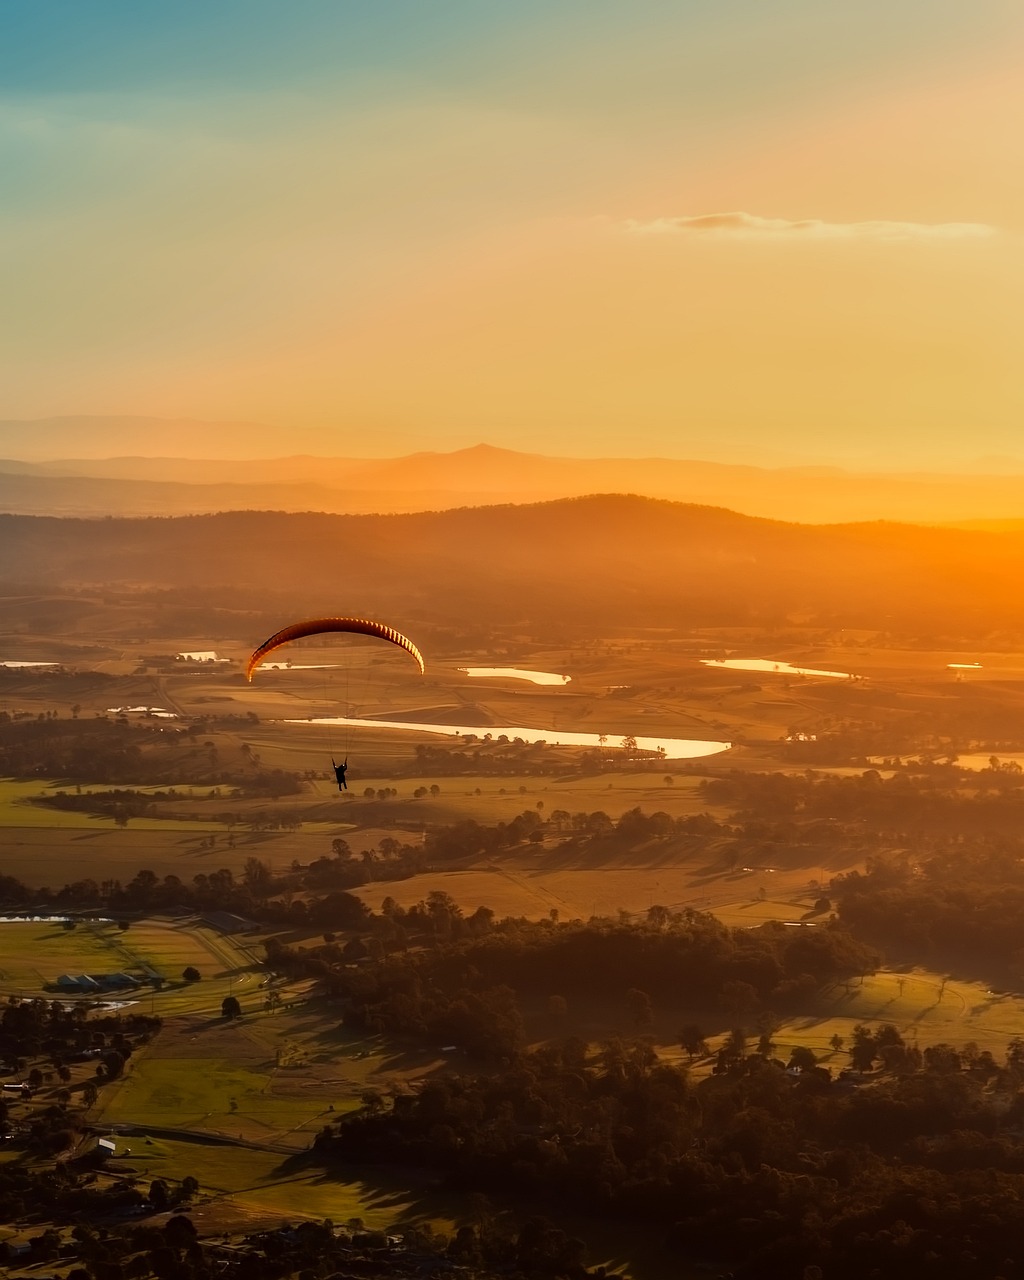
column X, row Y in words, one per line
column 774, row 234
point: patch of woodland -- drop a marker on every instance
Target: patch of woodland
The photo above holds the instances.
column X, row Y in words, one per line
column 918, row 717
column 142, row 751
column 104, row 1246
column 957, row 904
column 433, row 974
column 915, row 1170
column 915, row 802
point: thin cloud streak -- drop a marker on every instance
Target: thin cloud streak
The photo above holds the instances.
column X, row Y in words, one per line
column 748, row 226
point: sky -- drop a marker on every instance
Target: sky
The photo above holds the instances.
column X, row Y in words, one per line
column 779, row 233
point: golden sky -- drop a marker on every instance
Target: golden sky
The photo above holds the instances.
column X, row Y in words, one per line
column 786, row 232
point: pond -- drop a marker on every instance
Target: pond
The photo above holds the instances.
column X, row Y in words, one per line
column 674, row 748
column 161, row 713
column 517, row 673
column 775, row 668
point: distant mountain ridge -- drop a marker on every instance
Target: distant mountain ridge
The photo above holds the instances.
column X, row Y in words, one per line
column 584, row 566
column 485, row 475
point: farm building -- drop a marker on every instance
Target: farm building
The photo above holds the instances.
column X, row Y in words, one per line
column 78, row 983
column 225, row 922
column 93, row 983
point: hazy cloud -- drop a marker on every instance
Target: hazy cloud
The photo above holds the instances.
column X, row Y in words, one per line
column 749, row 226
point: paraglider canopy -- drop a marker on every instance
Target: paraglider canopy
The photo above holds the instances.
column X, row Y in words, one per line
column 317, row 626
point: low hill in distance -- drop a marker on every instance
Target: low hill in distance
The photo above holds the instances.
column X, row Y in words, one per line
column 572, row 565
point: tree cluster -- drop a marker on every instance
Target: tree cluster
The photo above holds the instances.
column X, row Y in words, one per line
column 919, row 1173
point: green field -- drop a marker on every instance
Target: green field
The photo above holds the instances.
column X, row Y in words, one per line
column 33, row 954
column 925, row 1009
column 17, row 811
column 262, row 1184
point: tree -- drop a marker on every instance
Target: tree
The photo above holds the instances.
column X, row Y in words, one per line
column 191, row 974
column 639, row 1005
column 159, row 1195
column 230, row 1008
column 258, row 878
column 691, row 1040
column 114, row 1063
column 863, row 1050
column 738, row 997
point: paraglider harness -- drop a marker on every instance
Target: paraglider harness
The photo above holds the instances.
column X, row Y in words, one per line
column 339, row 773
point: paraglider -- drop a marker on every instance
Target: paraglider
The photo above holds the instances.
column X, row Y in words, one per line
column 318, row 626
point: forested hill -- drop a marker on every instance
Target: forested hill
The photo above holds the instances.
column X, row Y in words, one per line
column 594, row 561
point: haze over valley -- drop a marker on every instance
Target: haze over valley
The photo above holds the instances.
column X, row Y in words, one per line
column 511, row 648
column 153, row 484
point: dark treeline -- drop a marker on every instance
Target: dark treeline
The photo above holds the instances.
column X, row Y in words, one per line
column 115, row 750
column 485, row 754
column 465, row 979
column 774, row 1173
column 104, row 1247
column 938, row 800
column 958, row 905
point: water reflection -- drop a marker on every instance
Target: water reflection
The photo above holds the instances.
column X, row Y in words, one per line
column 769, row 664
column 517, row 673
column 674, row 748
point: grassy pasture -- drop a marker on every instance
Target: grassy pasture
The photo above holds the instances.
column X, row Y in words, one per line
column 45, row 846
column 927, row 1007
column 242, row 1185
column 32, row 954
column 16, row 811
column 533, row 882
column 209, row 1097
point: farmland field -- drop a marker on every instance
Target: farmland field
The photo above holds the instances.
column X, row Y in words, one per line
column 33, row 954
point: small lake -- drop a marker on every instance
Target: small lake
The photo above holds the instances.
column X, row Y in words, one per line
column 15, row 663
column 161, row 713
column 773, row 667
column 201, row 655
column 516, row 673
column 675, row 748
